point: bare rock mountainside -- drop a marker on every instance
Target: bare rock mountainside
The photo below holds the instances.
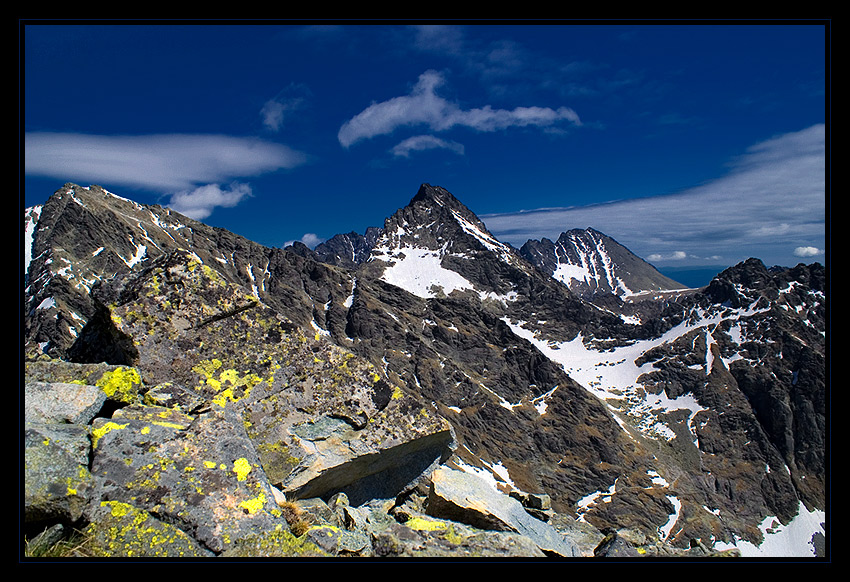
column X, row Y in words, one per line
column 421, row 390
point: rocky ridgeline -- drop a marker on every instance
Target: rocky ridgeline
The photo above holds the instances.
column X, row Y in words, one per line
column 232, row 432
column 194, row 379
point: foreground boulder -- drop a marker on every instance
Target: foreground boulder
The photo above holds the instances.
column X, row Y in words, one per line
column 467, row 498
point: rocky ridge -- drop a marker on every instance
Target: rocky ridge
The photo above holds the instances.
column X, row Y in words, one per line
column 454, row 365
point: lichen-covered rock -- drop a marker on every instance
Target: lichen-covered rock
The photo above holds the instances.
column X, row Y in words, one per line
column 320, row 418
column 423, row 536
column 57, row 485
column 121, row 384
column 275, row 544
column 120, row 530
column 201, row 474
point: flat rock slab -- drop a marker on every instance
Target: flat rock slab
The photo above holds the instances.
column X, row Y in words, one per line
column 463, row 497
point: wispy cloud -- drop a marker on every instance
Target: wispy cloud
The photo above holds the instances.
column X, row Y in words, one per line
column 420, row 143
column 770, row 205
column 424, row 107
column 200, row 202
column 188, row 167
column 277, row 111
column 168, row 162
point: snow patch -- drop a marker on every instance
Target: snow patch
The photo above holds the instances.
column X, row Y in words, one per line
column 47, row 303
column 494, row 474
column 141, row 252
column 664, row 531
column 418, row 271
column 540, row 403
column 790, row 541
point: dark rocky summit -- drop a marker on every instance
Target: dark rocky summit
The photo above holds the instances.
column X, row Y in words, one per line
column 403, row 393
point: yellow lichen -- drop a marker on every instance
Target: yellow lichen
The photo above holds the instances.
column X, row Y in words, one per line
column 420, row 523
column 118, row 509
column 98, row 433
column 222, row 397
column 169, row 424
column 254, row 505
column 241, row 467
column 120, row 384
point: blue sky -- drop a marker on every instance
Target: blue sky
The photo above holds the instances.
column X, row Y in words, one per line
column 693, row 144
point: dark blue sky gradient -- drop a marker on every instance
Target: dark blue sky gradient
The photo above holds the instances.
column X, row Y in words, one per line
column 515, row 117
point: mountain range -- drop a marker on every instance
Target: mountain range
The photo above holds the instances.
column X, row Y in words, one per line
column 571, row 371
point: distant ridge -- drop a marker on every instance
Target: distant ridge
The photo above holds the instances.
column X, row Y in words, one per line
column 590, row 262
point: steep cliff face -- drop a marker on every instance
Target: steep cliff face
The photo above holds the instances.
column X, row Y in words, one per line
column 698, row 415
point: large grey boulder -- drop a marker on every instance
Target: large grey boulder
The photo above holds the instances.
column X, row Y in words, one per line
column 61, row 402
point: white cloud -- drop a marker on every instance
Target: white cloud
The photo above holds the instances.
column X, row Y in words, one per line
column 674, row 256
column 424, row 107
column 310, row 239
column 807, row 252
column 165, row 163
column 200, row 202
column 772, row 200
column 425, row 142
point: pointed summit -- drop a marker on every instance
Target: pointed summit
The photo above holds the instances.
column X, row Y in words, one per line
column 435, row 194
column 436, row 245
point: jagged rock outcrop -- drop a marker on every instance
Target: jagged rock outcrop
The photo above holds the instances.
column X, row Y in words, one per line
column 286, row 412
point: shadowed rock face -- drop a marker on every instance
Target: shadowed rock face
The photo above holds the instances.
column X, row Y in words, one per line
column 345, row 374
